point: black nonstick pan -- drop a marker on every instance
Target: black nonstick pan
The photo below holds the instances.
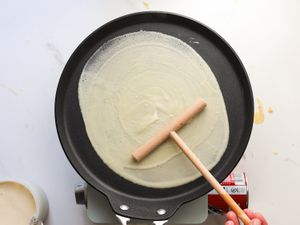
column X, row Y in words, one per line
column 144, row 202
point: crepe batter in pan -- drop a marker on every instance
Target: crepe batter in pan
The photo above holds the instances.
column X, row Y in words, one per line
column 133, row 86
column 144, row 201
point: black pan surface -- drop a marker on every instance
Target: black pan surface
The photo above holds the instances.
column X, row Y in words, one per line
column 144, row 202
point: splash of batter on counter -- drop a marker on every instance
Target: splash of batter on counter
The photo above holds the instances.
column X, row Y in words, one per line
column 146, row 5
column 259, row 115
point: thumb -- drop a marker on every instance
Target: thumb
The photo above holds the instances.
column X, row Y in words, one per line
column 255, row 222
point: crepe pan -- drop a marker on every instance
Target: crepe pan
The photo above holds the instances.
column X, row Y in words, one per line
column 143, row 202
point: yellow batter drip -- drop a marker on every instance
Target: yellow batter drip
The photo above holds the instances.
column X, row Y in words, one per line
column 259, row 116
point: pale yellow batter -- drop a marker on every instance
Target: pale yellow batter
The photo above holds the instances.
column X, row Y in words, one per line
column 136, row 84
column 17, row 205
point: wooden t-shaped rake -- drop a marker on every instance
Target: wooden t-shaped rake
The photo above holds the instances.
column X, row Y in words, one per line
column 170, row 131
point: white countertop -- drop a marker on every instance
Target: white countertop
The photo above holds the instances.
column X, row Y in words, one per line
column 37, row 38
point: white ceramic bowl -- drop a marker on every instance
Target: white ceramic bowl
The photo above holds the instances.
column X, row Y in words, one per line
column 40, row 199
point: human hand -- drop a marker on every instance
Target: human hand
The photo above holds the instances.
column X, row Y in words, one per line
column 256, row 218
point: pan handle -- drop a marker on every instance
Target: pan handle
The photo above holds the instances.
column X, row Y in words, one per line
column 126, row 206
column 143, row 209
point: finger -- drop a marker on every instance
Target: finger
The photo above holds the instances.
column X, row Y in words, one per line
column 229, row 222
column 249, row 213
column 261, row 218
column 233, row 217
column 256, row 222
